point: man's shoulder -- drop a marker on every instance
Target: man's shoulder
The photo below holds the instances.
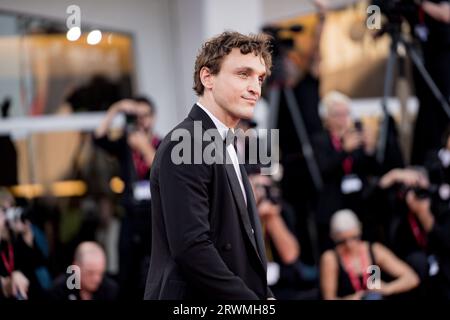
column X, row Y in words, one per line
column 183, row 145
column 182, row 129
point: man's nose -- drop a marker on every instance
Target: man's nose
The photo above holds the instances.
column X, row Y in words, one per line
column 254, row 87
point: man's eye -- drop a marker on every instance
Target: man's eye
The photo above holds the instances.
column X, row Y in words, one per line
column 243, row 75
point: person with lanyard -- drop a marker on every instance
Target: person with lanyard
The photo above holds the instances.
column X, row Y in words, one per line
column 134, row 150
column 288, row 277
column 355, row 269
column 13, row 283
column 431, row 28
column 345, row 156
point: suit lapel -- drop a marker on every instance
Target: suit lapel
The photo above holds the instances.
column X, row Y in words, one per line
column 237, row 193
column 253, row 213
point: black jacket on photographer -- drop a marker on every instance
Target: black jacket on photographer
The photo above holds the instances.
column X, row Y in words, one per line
column 431, row 119
column 128, row 162
column 135, row 235
column 438, row 166
column 336, row 165
column 135, row 232
column 107, row 290
column 19, row 256
column 402, row 232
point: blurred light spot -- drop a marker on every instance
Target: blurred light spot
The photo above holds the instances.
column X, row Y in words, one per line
column 94, row 37
column 28, row 191
column 117, row 185
column 68, row 188
column 73, row 34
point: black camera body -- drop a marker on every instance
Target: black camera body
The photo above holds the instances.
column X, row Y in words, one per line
column 279, row 46
column 131, row 122
column 421, row 193
column 358, row 126
column 272, row 194
column 14, row 214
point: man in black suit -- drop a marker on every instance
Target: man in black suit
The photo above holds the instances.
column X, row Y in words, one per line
column 206, row 237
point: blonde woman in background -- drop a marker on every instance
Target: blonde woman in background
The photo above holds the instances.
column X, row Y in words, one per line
column 345, row 271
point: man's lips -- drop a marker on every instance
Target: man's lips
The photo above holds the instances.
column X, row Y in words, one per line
column 250, row 99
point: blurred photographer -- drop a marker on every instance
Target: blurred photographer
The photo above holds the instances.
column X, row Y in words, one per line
column 23, row 270
column 431, row 231
column 344, row 270
column 135, row 150
column 288, row 277
column 137, row 146
column 345, row 155
column 431, row 28
column 95, row 285
column 13, row 283
column 416, row 227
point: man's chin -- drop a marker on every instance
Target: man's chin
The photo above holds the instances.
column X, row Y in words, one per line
column 246, row 112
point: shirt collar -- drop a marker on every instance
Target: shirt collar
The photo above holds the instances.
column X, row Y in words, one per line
column 221, row 127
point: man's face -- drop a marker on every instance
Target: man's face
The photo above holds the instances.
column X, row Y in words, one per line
column 349, row 240
column 92, row 270
column 145, row 118
column 339, row 119
column 237, row 86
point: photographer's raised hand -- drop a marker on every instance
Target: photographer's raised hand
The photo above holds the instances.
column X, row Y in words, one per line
column 125, row 106
column 19, row 284
column 351, row 141
column 267, row 210
column 407, row 177
column 24, row 229
column 438, row 11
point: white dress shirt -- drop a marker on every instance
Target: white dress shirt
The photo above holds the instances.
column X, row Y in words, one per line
column 223, row 130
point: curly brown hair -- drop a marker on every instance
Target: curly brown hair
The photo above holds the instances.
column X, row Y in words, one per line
column 214, row 50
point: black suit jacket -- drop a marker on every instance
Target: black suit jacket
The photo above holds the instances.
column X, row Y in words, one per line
column 206, row 243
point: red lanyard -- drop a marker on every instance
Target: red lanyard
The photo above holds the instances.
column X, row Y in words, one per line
column 140, row 165
column 347, row 164
column 9, row 263
column 419, row 235
column 354, row 279
column 421, row 16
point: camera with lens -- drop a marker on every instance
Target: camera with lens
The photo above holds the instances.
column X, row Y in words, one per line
column 280, row 44
column 272, row 194
column 358, row 126
column 14, row 214
column 421, row 193
column 131, row 120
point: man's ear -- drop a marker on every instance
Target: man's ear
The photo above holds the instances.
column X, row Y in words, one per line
column 206, row 77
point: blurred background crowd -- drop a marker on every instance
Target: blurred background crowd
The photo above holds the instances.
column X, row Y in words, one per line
column 359, row 207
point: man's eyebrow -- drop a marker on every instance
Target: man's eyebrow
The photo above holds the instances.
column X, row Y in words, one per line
column 250, row 70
